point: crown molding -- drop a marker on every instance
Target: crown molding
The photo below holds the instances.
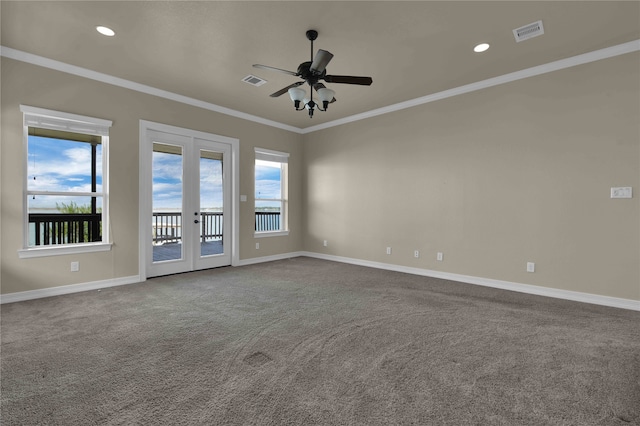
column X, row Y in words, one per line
column 30, row 58
column 585, row 58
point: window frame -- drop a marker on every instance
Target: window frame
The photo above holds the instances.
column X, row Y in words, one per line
column 56, row 120
column 282, row 158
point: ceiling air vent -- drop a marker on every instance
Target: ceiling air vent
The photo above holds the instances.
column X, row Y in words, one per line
column 254, row 81
column 528, row 31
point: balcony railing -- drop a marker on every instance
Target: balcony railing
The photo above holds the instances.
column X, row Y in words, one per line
column 167, row 227
column 267, row 221
column 72, row 228
column 64, row 228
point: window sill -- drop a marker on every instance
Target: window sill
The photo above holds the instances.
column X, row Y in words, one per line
column 270, row 234
column 61, row 250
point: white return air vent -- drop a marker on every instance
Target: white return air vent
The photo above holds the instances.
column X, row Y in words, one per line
column 254, row 81
column 528, row 31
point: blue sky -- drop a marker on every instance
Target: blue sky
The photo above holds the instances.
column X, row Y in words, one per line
column 268, row 179
column 167, row 182
column 59, row 165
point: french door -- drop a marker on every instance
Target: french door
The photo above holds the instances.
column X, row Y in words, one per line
column 188, row 206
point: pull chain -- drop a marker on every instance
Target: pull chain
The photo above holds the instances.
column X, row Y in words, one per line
column 34, row 172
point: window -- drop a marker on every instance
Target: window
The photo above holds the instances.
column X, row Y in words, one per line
column 271, row 192
column 65, row 187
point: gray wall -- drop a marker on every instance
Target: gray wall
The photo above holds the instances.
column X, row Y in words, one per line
column 494, row 179
column 40, row 87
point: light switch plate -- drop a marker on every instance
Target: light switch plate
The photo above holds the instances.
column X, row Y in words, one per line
column 621, row 192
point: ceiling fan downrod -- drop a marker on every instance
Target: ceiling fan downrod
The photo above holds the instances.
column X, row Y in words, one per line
column 312, row 35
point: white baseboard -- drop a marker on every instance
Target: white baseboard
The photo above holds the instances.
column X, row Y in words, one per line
column 67, row 289
column 575, row 296
column 95, row 285
column 254, row 260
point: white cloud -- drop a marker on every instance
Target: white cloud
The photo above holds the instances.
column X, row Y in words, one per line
column 78, row 155
column 62, row 172
column 167, row 187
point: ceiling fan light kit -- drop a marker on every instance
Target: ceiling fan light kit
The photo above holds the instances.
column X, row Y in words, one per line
column 311, row 73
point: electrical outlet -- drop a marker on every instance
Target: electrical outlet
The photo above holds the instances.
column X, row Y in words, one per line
column 622, row 192
column 439, row 256
column 531, row 267
column 416, row 254
column 75, row 266
column 257, row 246
column 388, row 250
column 325, row 243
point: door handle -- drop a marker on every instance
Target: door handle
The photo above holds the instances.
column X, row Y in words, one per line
column 196, row 221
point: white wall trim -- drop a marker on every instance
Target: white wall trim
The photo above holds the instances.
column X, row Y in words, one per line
column 30, row 58
column 596, row 55
column 282, row 256
column 585, row 58
column 144, row 185
column 266, row 234
column 59, row 249
column 575, row 296
column 67, row 289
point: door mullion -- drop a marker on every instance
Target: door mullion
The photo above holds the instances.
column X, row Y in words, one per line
column 194, row 198
column 190, row 201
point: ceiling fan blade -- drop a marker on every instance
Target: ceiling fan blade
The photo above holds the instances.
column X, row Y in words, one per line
column 348, row 79
column 319, row 86
column 286, row 89
column 320, row 61
column 265, row 67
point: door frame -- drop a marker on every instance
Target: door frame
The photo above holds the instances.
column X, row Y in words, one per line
column 145, row 203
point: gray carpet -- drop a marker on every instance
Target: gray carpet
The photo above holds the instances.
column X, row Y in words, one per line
column 311, row 342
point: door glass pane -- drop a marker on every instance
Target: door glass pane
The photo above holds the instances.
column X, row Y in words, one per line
column 167, row 171
column 211, row 204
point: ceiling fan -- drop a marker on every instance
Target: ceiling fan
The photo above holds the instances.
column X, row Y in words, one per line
column 311, row 73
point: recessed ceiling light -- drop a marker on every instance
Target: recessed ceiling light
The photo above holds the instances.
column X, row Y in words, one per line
column 481, row 47
column 106, row 31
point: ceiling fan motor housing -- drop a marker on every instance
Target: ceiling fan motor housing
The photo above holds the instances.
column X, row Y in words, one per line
column 304, row 70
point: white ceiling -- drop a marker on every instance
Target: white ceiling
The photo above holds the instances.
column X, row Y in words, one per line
column 204, row 49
